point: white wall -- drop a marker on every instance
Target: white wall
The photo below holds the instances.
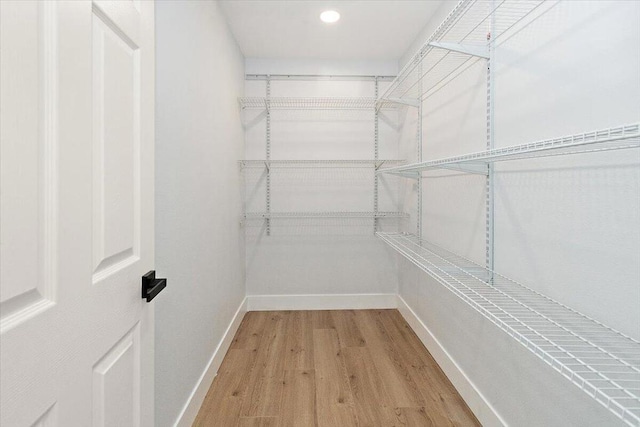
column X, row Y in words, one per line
column 568, row 227
column 199, row 248
column 328, row 256
column 321, row 67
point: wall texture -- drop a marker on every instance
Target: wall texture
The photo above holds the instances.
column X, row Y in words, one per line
column 568, row 227
column 199, row 248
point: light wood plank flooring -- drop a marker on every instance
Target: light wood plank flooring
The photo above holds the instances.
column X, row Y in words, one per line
column 330, row 368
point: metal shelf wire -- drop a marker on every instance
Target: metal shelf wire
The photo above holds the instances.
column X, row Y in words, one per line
column 318, row 163
column 599, row 360
column 285, row 215
column 617, row 138
column 456, row 44
column 316, row 103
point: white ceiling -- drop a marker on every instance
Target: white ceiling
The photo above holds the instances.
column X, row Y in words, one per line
column 367, row 30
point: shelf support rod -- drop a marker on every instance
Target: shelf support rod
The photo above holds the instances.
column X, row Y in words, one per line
column 376, row 152
column 472, row 50
column 418, row 175
column 268, row 154
column 489, row 188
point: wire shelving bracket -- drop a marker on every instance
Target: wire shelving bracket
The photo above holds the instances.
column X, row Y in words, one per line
column 480, row 51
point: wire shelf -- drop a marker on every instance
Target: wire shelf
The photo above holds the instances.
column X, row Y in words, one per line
column 617, row 138
column 317, row 103
column 318, row 163
column 285, row 215
column 456, row 44
column 599, row 360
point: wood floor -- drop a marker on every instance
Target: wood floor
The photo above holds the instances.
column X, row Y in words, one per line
column 330, row 368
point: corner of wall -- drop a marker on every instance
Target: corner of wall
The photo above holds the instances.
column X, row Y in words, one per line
column 193, row 404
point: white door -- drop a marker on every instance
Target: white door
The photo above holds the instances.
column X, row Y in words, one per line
column 77, row 102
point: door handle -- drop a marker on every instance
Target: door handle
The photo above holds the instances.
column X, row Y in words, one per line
column 152, row 286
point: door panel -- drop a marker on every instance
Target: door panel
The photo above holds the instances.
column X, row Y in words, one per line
column 27, row 156
column 116, row 384
column 77, row 84
column 116, row 138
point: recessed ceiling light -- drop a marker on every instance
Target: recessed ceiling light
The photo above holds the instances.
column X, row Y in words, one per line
column 329, row 16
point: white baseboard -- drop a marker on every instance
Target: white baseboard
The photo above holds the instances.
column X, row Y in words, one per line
column 481, row 408
column 321, row 302
column 191, row 408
